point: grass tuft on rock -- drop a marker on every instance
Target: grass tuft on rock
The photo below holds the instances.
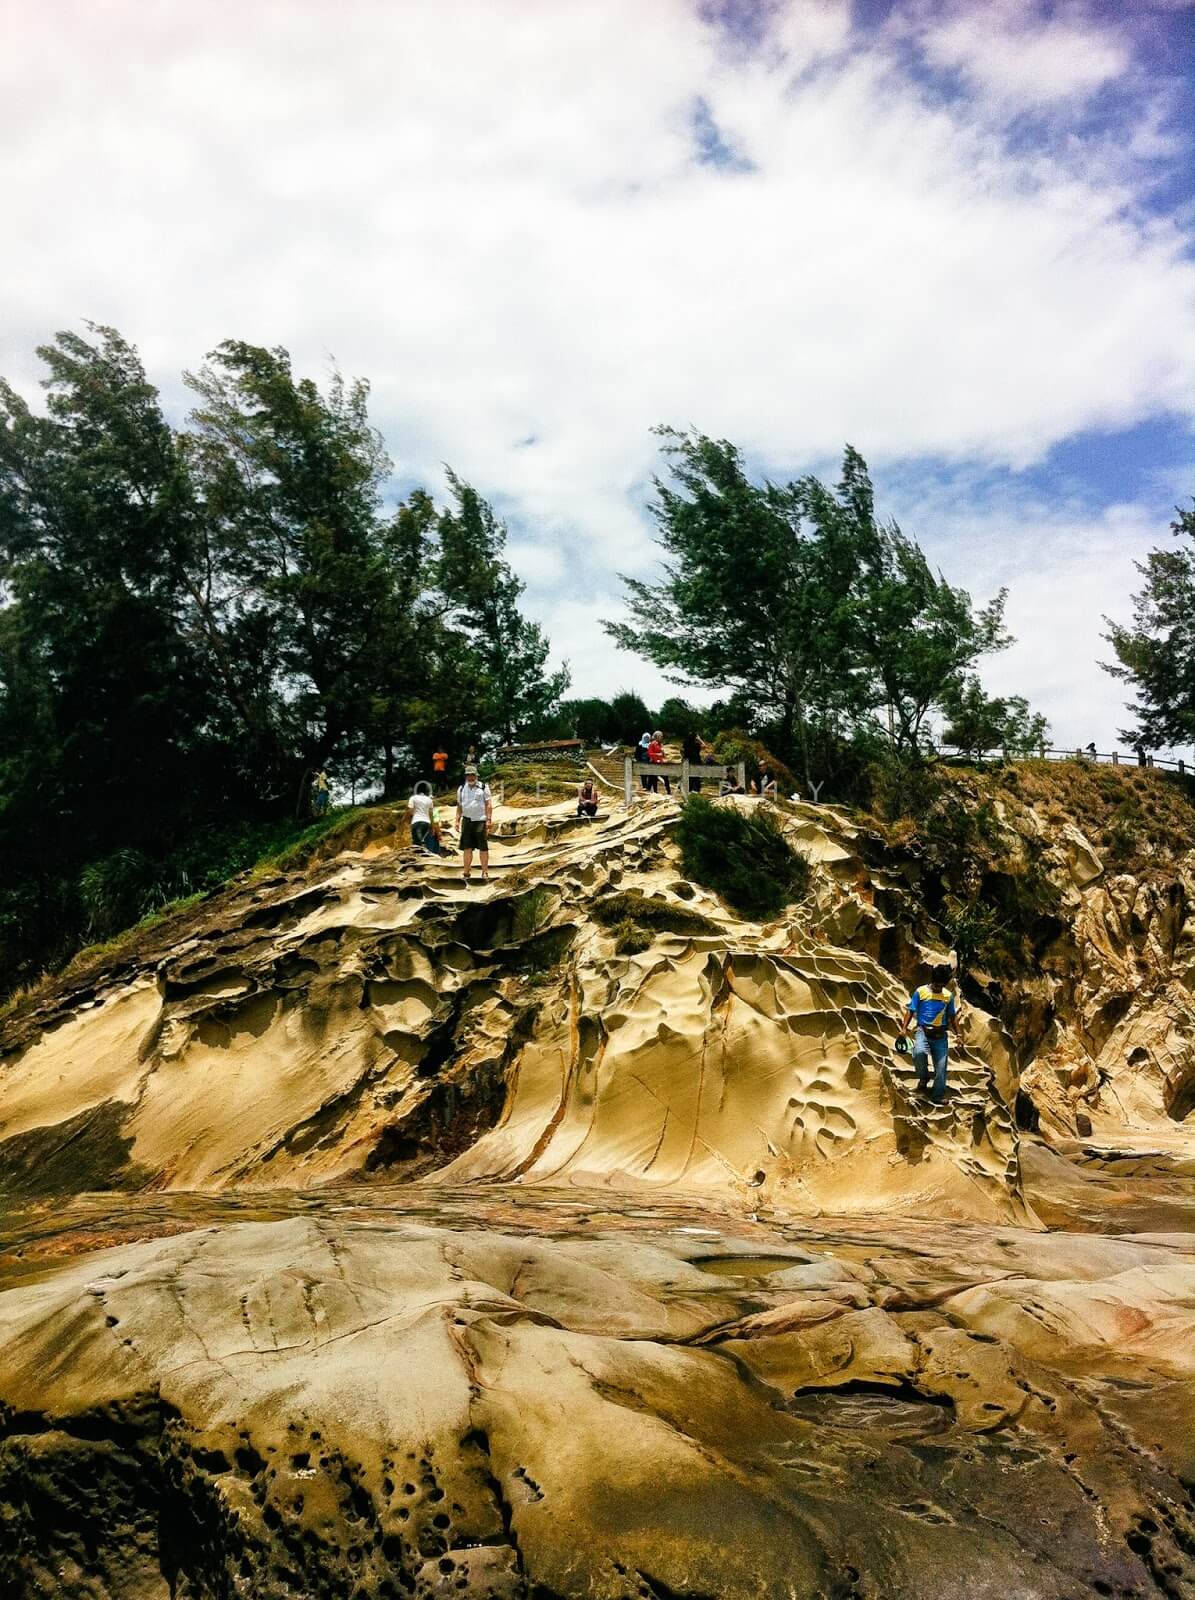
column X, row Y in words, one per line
column 630, row 907
column 630, row 938
column 742, row 855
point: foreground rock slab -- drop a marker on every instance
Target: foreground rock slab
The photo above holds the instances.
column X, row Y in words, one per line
column 552, row 1392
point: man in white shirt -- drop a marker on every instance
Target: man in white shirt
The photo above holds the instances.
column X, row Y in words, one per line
column 474, row 814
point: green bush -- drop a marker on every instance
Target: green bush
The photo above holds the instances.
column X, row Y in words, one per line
column 630, row 906
column 119, row 889
column 733, row 746
column 742, row 855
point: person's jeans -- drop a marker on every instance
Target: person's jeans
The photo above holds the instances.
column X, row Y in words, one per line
column 923, row 1050
column 421, row 834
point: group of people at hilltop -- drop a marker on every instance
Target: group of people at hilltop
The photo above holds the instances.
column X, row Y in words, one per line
column 650, row 750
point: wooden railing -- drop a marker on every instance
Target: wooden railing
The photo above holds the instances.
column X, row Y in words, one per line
column 1115, row 758
column 683, row 771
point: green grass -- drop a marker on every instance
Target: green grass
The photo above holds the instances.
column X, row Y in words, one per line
column 630, row 938
column 127, row 896
column 632, row 908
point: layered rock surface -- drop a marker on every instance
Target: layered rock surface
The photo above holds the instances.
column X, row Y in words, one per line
column 448, row 1251
column 563, row 1397
column 378, row 1016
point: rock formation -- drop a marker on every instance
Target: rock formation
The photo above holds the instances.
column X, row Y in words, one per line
column 368, row 1236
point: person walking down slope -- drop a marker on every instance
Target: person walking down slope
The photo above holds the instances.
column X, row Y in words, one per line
column 423, row 819
column 642, row 758
column 321, row 795
column 474, row 814
column 587, row 799
column 931, row 1014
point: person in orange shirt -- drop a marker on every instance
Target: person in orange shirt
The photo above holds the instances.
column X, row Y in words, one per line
column 440, row 763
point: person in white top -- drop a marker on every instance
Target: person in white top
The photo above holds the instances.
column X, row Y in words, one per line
column 423, row 818
column 474, row 813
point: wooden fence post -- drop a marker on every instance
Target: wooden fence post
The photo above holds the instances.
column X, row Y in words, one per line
column 742, row 772
column 628, row 779
column 684, row 778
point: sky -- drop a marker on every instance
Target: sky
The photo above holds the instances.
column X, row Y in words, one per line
column 960, row 237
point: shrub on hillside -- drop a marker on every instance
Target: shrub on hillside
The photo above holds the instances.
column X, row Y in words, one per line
column 742, row 855
column 733, row 746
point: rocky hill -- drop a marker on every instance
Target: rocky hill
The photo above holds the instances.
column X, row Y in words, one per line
column 367, row 1234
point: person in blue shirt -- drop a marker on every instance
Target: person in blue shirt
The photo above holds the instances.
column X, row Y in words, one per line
column 930, row 1014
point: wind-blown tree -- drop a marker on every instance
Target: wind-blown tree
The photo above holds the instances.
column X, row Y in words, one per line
column 110, row 730
column 483, row 593
column 300, row 589
column 1156, row 656
column 818, row 618
column 747, row 603
column 189, row 620
column 912, row 634
column 976, row 722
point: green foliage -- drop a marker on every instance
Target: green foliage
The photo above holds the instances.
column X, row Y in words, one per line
column 530, row 909
column 193, row 621
column 629, row 905
column 593, row 720
column 1156, row 655
column 676, row 718
column 826, row 623
column 994, row 900
column 733, row 746
column 630, row 938
column 479, row 584
column 973, row 931
column 631, row 717
column 742, row 855
column 977, row 723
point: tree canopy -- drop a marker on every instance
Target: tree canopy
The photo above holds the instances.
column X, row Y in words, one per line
column 1156, row 655
column 823, row 621
column 194, row 619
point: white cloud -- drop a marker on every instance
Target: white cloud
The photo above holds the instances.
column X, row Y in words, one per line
column 1024, row 58
column 1066, row 570
column 496, row 213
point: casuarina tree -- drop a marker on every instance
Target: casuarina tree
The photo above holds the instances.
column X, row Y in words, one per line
column 822, row 621
column 1156, row 655
column 510, row 652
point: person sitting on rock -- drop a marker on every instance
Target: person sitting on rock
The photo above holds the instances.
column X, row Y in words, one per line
column 587, row 799
column 931, row 1013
